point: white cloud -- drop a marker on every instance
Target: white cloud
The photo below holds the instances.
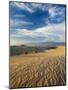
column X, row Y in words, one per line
column 31, row 7
column 22, row 23
column 16, row 41
column 19, row 16
column 51, row 32
column 14, row 23
column 54, row 32
column 54, row 11
column 22, row 6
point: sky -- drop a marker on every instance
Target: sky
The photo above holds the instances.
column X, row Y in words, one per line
column 36, row 22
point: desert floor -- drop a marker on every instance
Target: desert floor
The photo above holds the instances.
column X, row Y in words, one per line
column 38, row 69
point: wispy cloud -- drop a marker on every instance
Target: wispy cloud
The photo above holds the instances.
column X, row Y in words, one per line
column 16, row 41
column 31, row 7
column 22, row 6
column 36, row 22
column 19, row 16
column 18, row 23
column 45, row 34
column 56, row 13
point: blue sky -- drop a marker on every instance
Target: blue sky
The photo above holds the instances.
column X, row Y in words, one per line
column 36, row 22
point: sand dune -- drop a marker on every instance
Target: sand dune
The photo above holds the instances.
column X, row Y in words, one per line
column 38, row 69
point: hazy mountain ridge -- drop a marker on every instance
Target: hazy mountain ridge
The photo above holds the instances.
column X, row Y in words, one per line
column 36, row 47
column 46, row 44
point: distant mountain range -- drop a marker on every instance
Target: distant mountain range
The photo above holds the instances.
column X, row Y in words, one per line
column 41, row 44
column 45, row 44
column 33, row 47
